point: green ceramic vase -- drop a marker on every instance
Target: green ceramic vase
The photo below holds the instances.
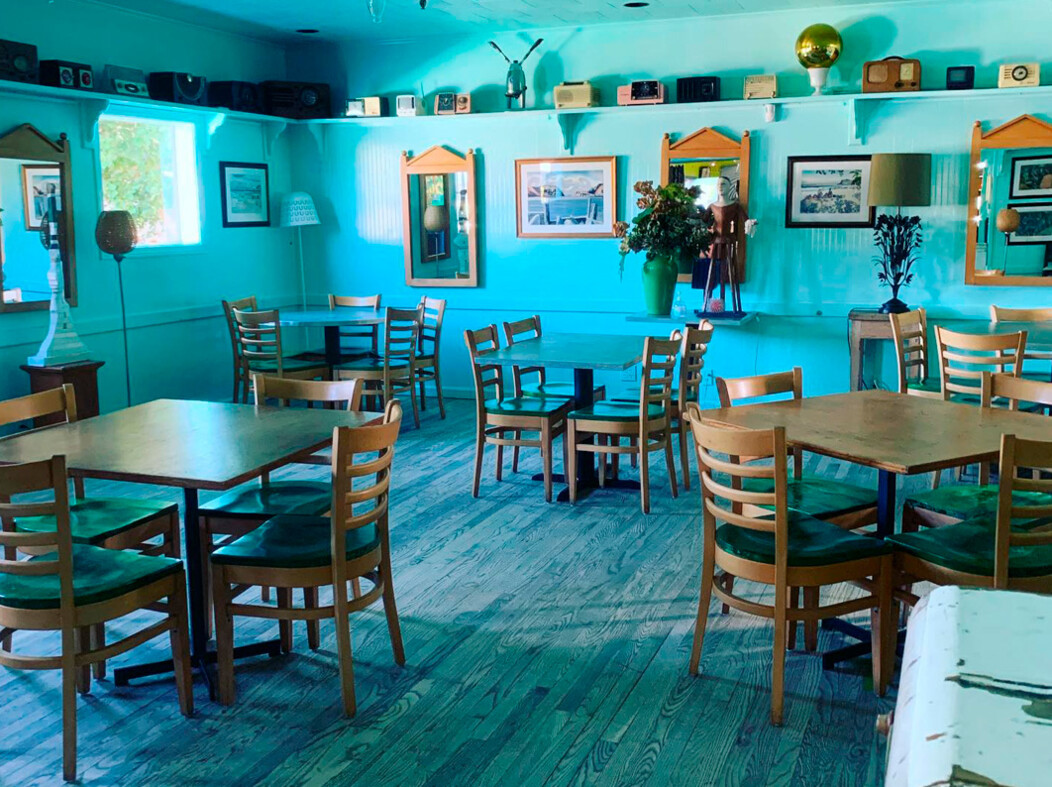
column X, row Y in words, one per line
column 659, row 285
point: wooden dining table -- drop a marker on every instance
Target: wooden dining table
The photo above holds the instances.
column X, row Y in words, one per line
column 193, row 446
column 331, row 320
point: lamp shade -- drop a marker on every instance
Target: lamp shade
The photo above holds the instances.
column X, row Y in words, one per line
column 900, row 179
column 115, row 232
column 1007, row 220
column 436, row 218
column 297, row 210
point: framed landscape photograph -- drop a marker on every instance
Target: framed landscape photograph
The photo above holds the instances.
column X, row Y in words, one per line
column 828, row 191
column 245, row 194
column 1035, row 224
column 566, row 197
column 39, row 182
column 1031, row 177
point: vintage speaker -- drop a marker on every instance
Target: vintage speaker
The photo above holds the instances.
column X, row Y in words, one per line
column 18, row 62
column 125, row 81
column 690, row 90
column 238, row 96
column 178, row 87
column 297, row 100
column 61, row 73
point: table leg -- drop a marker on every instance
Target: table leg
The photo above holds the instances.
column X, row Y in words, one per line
column 332, row 344
column 855, row 351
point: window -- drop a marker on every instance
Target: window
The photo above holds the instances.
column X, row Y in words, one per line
column 149, row 168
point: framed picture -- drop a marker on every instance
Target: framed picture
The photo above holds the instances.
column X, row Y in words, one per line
column 1031, row 177
column 1035, row 224
column 566, row 197
column 828, row 191
column 246, row 194
column 39, row 182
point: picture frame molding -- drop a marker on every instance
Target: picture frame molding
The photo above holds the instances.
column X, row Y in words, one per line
column 224, row 197
column 1022, row 208
column 1013, row 194
column 791, row 223
column 521, row 163
column 27, row 202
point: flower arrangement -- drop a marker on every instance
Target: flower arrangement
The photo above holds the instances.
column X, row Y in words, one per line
column 897, row 239
column 670, row 224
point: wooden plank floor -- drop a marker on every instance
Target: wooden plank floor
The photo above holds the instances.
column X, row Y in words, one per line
column 546, row 645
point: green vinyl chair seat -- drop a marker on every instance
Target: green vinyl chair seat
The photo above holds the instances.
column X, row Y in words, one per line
column 969, row 547
column 289, row 541
column 617, row 411
column 819, row 497
column 289, row 364
column 525, row 405
column 346, row 354
column 262, row 501
column 929, row 386
column 95, row 520
column 98, row 575
column 633, row 396
column 563, row 389
column 371, row 363
column 971, row 501
column 812, row 542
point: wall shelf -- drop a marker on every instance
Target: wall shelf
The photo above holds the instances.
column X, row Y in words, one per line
column 693, row 319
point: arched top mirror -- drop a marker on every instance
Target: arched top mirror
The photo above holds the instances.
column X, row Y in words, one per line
column 704, row 159
column 33, row 170
column 439, row 219
column 1010, row 206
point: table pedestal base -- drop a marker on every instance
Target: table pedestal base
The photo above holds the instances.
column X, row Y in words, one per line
column 122, row 675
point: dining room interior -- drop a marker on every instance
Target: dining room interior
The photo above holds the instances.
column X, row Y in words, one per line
column 491, row 392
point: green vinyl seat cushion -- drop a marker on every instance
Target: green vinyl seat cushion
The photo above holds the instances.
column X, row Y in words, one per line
column 288, row 364
column 371, row 363
column 967, row 501
column 346, row 354
column 819, row 497
column 969, row 547
column 526, row 405
column 563, row 389
column 812, row 542
column 617, row 411
column 98, row 575
column 294, row 542
column 262, row 501
column 633, row 396
column 94, row 520
column 930, row 386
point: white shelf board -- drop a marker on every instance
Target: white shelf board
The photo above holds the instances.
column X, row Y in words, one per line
column 693, row 319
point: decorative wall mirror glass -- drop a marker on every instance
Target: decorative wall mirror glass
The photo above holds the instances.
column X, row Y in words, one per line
column 1010, row 206
column 439, row 219
column 33, row 169
column 715, row 163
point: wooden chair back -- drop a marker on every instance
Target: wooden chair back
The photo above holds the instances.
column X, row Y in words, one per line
column 258, row 336
column 401, row 338
column 909, row 331
column 1018, row 453
column 369, row 332
column 739, row 390
column 963, row 357
column 694, row 345
column 37, row 405
column 345, row 393
column 658, row 377
column 519, row 331
column 249, row 304
column 434, row 313
column 1015, row 390
column 488, row 377
column 1003, row 314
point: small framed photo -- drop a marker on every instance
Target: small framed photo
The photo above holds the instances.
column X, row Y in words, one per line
column 1031, row 177
column 1035, row 224
column 828, row 191
column 566, row 197
column 246, row 194
column 40, row 182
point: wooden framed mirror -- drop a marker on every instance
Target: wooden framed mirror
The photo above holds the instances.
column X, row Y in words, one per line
column 703, row 159
column 439, row 219
column 33, row 168
column 1009, row 226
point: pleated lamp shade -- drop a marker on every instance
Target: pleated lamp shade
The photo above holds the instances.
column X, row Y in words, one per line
column 297, row 210
column 436, row 218
column 115, row 232
column 900, row 179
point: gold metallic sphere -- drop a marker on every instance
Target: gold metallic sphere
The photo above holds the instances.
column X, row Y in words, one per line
column 819, row 46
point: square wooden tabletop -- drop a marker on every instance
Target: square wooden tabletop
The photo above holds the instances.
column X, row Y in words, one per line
column 190, row 444
column 890, row 431
column 572, row 351
column 322, row 315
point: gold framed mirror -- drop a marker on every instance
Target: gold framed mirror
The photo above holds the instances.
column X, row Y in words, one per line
column 1009, row 228
column 703, row 159
column 33, row 168
column 439, row 219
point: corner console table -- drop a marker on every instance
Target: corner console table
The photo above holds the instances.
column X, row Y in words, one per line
column 864, row 325
column 84, row 377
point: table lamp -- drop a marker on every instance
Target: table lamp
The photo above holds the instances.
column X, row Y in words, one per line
column 898, row 180
column 115, row 234
column 297, row 210
column 1007, row 223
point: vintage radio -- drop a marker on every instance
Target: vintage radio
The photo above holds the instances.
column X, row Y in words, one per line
column 463, row 103
column 891, row 75
column 371, row 106
column 570, row 95
column 18, row 62
column 126, row 81
column 761, row 86
column 61, row 73
column 238, row 96
column 178, row 87
column 1019, row 75
column 642, row 91
column 452, row 103
column 690, row 90
column 408, row 105
column 960, row 77
column 297, row 100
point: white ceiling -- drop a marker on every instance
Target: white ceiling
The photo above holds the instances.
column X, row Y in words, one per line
column 342, row 19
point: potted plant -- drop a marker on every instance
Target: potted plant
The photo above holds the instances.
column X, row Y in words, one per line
column 897, row 239
column 670, row 228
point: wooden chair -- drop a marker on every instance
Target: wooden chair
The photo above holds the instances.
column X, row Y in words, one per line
column 783, row 548
column 75, row 588
column 312, row 552
column 530, row 328
column 259, row 339
column 695, row 343
column 649, row 421
column 500, row 420
column 427, row 365
column 963, row 357
column 240, row 374
column 395, row 372
column 909, row 331
column 947, row 505
column 1003, row 314
column 370, row 333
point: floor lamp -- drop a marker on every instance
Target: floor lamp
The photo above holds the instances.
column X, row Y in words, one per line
column 297, row 210
column 115, row 234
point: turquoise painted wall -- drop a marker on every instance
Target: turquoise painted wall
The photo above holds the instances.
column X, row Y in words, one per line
column 804, row 281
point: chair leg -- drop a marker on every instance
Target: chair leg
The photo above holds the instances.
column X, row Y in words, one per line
column 644, row 475
column 343, row 648
column 416, row 410
column 264, row 594
column 708, row 567
column 778, row 663
column 500, row 462
column 480, row 445
column 391, row 610
column 310, row 601
column 635, row 456
column 356, row 587
column 791, row 625
column 438, row 395
column 98, row 641
column 670, row 463
column 84, row 671
column 811, row 601
column 423, row 396
column 883, row 630
column 180, row 641
column 285, row 626
column 515, row 452
column 571, row 459
column 684, row 454
column 728, row 584
column 615, row 459
column 546, row 458
column 601, row 440
column 224, row 628
column 69, row 706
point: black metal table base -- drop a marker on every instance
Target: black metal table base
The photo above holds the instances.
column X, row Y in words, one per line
column 583, row 490
column 122, row 675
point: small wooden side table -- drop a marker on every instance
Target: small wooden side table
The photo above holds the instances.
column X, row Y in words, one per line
column 84, row 377
column 865, row 325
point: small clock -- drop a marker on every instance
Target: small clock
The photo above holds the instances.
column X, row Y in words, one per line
column 446, row 104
